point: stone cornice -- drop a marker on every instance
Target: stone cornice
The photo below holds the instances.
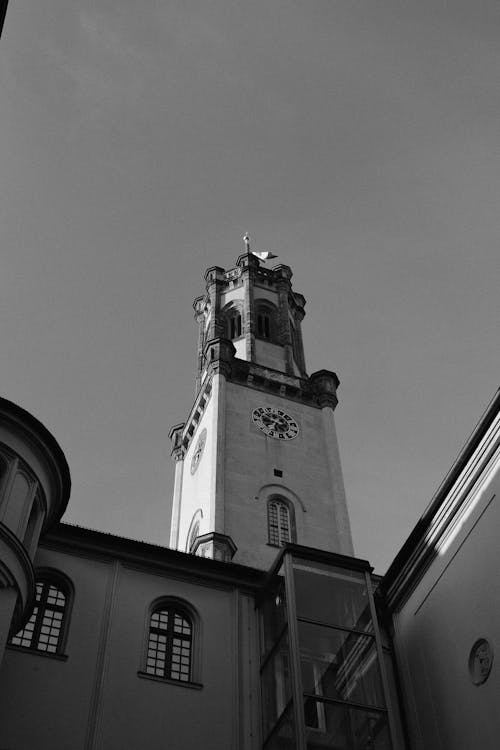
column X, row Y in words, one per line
column 181, row 434
column 304, row 390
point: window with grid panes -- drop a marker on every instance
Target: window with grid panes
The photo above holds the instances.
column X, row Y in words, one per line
column 44, row 629
column 170, row 644
column 278, row 522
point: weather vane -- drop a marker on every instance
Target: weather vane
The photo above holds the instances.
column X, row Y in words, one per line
column 262, row 255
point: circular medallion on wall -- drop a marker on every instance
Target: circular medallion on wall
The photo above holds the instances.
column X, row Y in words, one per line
column 480, row 661
column 275, row 422
column 198, row 451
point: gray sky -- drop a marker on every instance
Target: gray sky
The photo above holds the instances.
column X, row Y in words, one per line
column 358, row 140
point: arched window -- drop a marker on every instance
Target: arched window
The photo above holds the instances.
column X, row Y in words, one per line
column 279, row 522
column 267, row 321
column 233, row 323
column 170, row 643
column 195, row 531
column 296, row 345
column 45, row 629
column 264, row 324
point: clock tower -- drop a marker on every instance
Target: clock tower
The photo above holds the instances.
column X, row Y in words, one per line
column 257, row 460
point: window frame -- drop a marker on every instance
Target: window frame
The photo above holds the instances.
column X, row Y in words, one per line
column 281, row 502
column 175, row 606
column 264, row 325
column 48, row 577
column 234, row 326
column 232, row 317
column 266, row 321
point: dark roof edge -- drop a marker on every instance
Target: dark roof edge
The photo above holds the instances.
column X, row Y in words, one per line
column 102, row 544
column 422, row 525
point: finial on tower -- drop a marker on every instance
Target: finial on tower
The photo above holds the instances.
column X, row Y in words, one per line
column 262, row 255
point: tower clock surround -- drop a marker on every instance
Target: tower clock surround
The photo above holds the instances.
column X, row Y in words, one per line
column 275, row 422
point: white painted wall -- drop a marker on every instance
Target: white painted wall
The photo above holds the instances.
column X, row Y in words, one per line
column 311, row 471
column 198, row 489
column 456, row 603
column 95, row 700
column 238, row 463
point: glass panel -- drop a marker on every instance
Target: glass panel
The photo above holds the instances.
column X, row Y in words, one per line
column 24, row 637
column 344, row 727
column 332, row 595
column 340, row 665
column 276, row 684
column 284, row 524
column 272, row 511
column 273, row 610
column 283, row 737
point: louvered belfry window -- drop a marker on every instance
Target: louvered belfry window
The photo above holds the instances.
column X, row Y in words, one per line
column 278, row 520
column 234, row 326
column 264, row 325
column 170, row 643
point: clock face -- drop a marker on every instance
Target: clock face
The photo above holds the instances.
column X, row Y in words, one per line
column 480, row 661
column 275, row 422
column 198, row 451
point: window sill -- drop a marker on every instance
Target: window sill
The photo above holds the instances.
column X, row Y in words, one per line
column 36, row 652
column 178, row 683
